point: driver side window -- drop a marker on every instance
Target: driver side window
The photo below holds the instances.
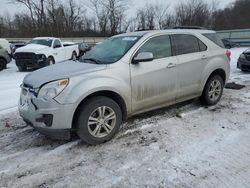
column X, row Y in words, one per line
column 57, row 44
column 160, row 46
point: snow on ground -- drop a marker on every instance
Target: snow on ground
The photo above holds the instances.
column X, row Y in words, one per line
column 10, row 81
column 186, row 145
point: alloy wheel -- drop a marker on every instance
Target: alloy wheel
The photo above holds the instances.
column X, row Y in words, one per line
column 215, row 90
column 101, row 122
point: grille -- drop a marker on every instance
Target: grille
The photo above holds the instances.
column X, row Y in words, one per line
column 25, row 55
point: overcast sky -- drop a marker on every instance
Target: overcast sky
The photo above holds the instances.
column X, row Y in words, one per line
column 6, row 7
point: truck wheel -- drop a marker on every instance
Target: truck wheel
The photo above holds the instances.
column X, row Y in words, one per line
column 3, row 64
column 99, row 119
column 213, row 90
column 74, row 56
column 22, row 68
column 50, row 61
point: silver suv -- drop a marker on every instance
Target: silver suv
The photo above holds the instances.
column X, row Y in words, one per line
column 125, row 75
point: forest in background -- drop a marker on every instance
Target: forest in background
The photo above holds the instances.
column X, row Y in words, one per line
column 93, row 18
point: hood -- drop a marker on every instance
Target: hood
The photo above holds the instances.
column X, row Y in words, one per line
column 60, row 71
column 36, row 48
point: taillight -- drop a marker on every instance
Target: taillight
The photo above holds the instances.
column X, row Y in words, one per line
column 228, row 54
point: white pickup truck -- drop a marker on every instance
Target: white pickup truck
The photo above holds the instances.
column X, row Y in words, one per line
column 44, row 51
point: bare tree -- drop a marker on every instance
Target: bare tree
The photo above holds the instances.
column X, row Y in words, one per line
column 29, row 5
column 163, row 16
column 101, row 14
column 154, row 16
column 72, row 15
column 146, row 17
column 195, row 13
column 110, row 14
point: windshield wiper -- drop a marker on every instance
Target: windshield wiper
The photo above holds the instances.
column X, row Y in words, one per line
column 96, row 61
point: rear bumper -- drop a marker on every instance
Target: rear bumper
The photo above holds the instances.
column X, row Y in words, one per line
column 243, row 64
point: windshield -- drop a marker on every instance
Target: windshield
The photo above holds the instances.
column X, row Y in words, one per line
column 44, row 42
column 110, row 50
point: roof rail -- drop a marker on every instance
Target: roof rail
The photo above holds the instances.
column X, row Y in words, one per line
column 144, row 30
column 189, row 27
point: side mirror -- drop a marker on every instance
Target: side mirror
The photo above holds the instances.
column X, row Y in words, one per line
column 143, row 57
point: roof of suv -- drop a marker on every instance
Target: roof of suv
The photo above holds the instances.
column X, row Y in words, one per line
column 142, row 33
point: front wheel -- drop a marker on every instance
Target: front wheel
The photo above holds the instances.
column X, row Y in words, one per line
column 3, row 64
column 213, row 90
column 99, row 119
column 22, row 68
column 50, row 61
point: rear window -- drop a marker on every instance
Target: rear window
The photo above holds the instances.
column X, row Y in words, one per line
column 214, row 38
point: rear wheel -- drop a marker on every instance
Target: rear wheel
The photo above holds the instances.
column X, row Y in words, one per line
column 74, row 56
column 213, row 90
column 99, row 119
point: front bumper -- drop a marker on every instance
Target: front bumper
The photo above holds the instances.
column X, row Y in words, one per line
column 243, row 64
column 31, row 63
column 47, row 117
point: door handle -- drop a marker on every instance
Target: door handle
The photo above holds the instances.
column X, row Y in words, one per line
column 55, row 53
column 204, row 57
column 171, row 65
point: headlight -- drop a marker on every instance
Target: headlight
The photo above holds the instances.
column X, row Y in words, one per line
column 41, row 57
column 242, row 56
column 52, row 89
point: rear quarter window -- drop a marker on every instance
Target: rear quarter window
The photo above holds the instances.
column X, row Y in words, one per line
column 214, row 38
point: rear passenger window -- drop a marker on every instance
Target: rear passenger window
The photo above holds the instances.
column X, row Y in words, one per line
column 160, row 46
column 185, row 44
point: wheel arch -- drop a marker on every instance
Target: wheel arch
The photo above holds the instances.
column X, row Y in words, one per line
column 3, row 58
column 51, row 56
column 5, row 61
column 106, row 93
column 219, row 72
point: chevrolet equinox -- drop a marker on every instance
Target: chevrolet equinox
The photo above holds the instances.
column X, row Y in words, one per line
column 123, row 76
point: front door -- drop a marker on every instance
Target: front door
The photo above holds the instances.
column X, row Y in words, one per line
column 154, row 83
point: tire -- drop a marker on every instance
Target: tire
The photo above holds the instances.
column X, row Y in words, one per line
column 22, row 68
column 50, row 61
column 213, row 90
column 74, row 56
column 3, row 64
column 95, row 130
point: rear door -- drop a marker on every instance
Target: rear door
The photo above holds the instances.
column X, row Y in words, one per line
column 154, row 83
column 192, row 58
